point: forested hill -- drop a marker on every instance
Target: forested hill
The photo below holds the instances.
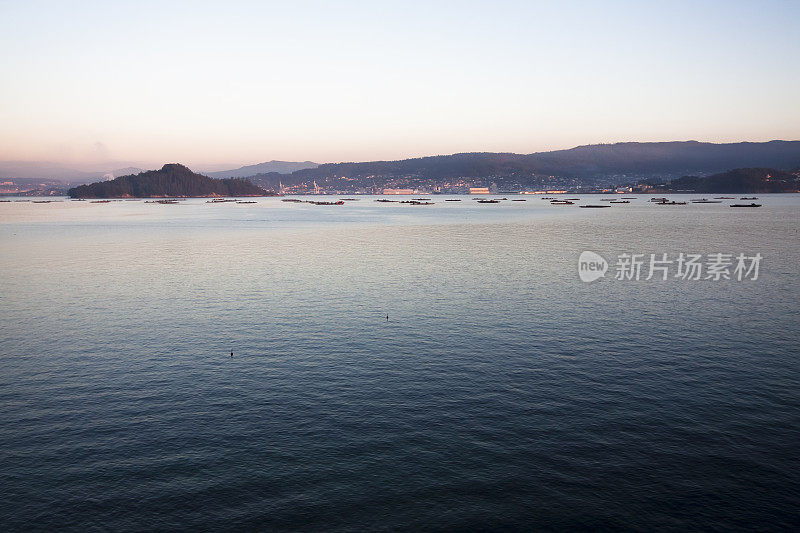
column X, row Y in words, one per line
column 740, row 180
column 173, row 180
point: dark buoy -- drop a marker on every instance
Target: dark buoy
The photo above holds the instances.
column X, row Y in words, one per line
column 387, row 318
column 231, row 353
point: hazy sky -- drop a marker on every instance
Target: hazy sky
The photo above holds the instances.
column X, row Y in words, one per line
column 231, row 83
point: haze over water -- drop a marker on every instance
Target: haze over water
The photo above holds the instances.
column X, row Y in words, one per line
column 502, row 393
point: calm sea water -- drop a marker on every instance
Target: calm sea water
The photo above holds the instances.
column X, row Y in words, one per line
column 503, row 393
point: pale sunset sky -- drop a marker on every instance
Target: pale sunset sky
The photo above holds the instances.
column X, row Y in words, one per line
column 222, row 84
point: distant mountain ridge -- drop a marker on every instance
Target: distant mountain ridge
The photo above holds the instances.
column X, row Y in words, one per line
column 590, row 163
column 127, row 171
column 663, row 159
column 669, row 157
column 43, row 170
column 172, row 180
column 280, row 167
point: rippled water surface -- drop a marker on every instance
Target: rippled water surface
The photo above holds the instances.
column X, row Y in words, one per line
column 502, row 394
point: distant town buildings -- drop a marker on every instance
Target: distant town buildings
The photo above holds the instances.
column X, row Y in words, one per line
column 479, row 190
column 31, row 187
column 399, row 191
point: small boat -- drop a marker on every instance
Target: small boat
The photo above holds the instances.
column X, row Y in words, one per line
column 416, row 202
column 671, row 203
column 561, row 202
column 591, row 206
column 620, row 201
column 43, row 201
column 706, row 201
column 488, row 201
column 422, row 199
column 724, row 198
column 658, row 200
column 449, row 200
column 220, row 201
column 340, row 202
column 294, row 200
column 100, row 202
column 350, row 199
column 746, row 205
column 629, row 198
column 749, row 198
column 385, row 200
column 519, row 200
column 248, row 202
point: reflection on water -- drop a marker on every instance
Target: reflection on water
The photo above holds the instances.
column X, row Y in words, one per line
column 502, row 393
